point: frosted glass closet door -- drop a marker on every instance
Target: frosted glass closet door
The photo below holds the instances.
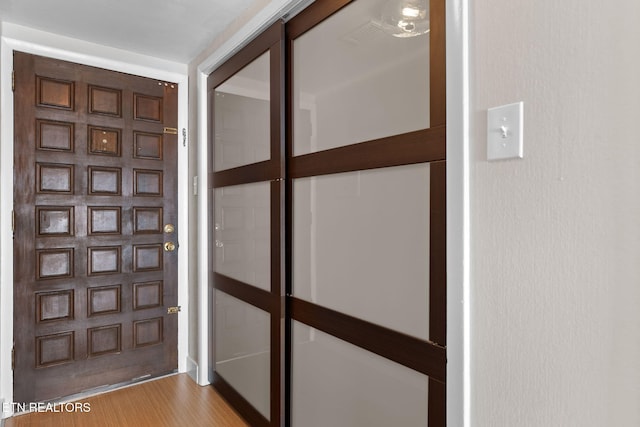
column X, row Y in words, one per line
column 353, row 82
column 241, row 106
column 242, row 349
column 361, row 203
column 242, row 232
column 361, row 245
column 339, row 384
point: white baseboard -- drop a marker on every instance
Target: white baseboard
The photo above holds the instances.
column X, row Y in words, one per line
column 3, row 415
column 192, row 369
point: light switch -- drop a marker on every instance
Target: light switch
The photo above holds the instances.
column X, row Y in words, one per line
column 504, row 132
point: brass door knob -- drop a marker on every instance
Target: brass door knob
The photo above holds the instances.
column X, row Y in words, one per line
column 169, row 247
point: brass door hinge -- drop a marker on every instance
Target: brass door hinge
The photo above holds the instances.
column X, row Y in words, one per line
column 13, row 81
column 13, row 358
column 171, row 131
column 173, row 310
column 13, row 221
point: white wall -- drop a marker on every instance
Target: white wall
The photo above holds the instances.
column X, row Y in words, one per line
column 556, row 236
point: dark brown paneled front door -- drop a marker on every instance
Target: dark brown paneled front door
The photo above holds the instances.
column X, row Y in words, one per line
column 95, row 218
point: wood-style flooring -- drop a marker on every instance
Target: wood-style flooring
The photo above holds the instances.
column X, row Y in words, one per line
column 166, row 402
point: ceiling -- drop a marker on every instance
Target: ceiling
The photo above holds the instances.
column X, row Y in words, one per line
column 176, row 30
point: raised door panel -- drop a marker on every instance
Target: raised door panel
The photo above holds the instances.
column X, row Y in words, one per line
column 104, row 340
column 55, row 93
column 147, row 145
column 55, row 220
column 104, row 219
column 104, row 141
column 57, row 136
column 56, row 305
column 103, row 300
column 54, row 263
column 104, row 100
column 105, row 181
column 147, row 295
column 54, row 178
column 54, row 349
column 147, row 107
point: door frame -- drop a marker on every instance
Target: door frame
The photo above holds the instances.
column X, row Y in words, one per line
column 458, row 179
column 36, row 42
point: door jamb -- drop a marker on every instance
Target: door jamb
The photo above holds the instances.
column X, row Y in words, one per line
column 45, row 44
column 459, row 351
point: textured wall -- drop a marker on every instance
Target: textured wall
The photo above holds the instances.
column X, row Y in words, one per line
column 556, row 236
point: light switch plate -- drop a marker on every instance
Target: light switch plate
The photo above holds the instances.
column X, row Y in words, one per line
column 504, row 132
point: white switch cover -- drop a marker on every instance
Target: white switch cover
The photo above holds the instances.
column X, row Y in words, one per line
column 504, row 132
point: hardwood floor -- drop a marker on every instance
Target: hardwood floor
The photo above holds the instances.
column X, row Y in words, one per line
column 170, row 401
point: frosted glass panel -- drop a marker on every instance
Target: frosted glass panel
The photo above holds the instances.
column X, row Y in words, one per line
column 361, row 245
column 242, row 233
column 354, row 82
column 242, row 345
column 241, row 117
column 338, row 384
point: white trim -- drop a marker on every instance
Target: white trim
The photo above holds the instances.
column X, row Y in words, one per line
column 192, row 369
column 205, row 371
column 45, row 44
column 458, row 215
column 6, row 233
column 184, row 192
